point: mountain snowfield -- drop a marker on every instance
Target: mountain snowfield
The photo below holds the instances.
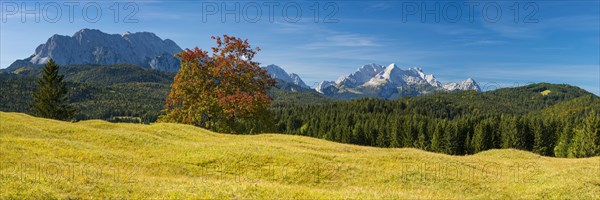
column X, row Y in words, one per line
column 90, row 46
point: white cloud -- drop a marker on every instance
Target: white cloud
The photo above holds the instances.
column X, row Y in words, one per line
column 483, row 42
column 343, row 40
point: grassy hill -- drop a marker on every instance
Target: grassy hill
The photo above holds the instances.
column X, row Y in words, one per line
column 44, row 158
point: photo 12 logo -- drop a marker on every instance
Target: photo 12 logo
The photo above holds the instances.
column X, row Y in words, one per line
column 53, row 12
column 253, row 12
column 454, row 12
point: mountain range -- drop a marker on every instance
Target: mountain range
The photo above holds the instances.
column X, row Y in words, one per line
column 145, row 49
column 373, row 80
column 90, row 46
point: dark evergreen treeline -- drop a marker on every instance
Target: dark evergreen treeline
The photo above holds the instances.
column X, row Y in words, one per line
column 117, row 93
column 459, row 123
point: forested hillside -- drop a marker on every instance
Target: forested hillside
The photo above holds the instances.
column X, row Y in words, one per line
column 548, row 119
column 536, row 118
column 125, row 93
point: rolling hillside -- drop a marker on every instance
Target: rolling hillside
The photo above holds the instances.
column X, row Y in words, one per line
column 44, row 158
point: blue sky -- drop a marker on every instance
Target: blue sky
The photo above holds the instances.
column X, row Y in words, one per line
column 545, row 41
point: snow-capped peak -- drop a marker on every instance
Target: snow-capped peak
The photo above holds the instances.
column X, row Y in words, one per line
column 361, row 75
column 394, row 75
column 392, row 71
column 390, row 81
column 468, row 84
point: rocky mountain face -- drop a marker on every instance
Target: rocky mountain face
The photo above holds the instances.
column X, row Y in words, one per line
column 89, row 46
column 373, row 80
column 282, row 76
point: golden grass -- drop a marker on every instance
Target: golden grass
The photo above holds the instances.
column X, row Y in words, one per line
column 44, row 158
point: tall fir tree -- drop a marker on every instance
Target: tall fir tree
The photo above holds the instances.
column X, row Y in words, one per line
column 395, row 134
column 509, row 132
column 585, row 141
column 422, row 138
column 50, row 101
column 482, row 138
column 564, row 141
column 438, row 134
column 450, row 142
column 539, row 136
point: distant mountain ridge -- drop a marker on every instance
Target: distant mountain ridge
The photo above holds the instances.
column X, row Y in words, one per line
column 280, row 74
column 374, row 80
column 90, row 46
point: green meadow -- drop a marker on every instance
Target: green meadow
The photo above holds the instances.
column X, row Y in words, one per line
column 42, row 158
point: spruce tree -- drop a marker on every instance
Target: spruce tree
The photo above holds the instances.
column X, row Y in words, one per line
column 450, row 142
column 395, row 134
column 481, row 137
column 539, row 137
column 422, row 138
column 585, row 141
column 509, row 132
column 562, row 146
column 50, row 101
column 436, row 139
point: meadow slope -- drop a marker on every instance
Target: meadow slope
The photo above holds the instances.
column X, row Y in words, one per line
column 43, row 158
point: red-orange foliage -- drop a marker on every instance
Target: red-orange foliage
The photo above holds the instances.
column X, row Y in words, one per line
column 225, row 91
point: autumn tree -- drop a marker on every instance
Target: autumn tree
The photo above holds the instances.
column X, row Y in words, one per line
column 50, row 101
column 224, row 91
